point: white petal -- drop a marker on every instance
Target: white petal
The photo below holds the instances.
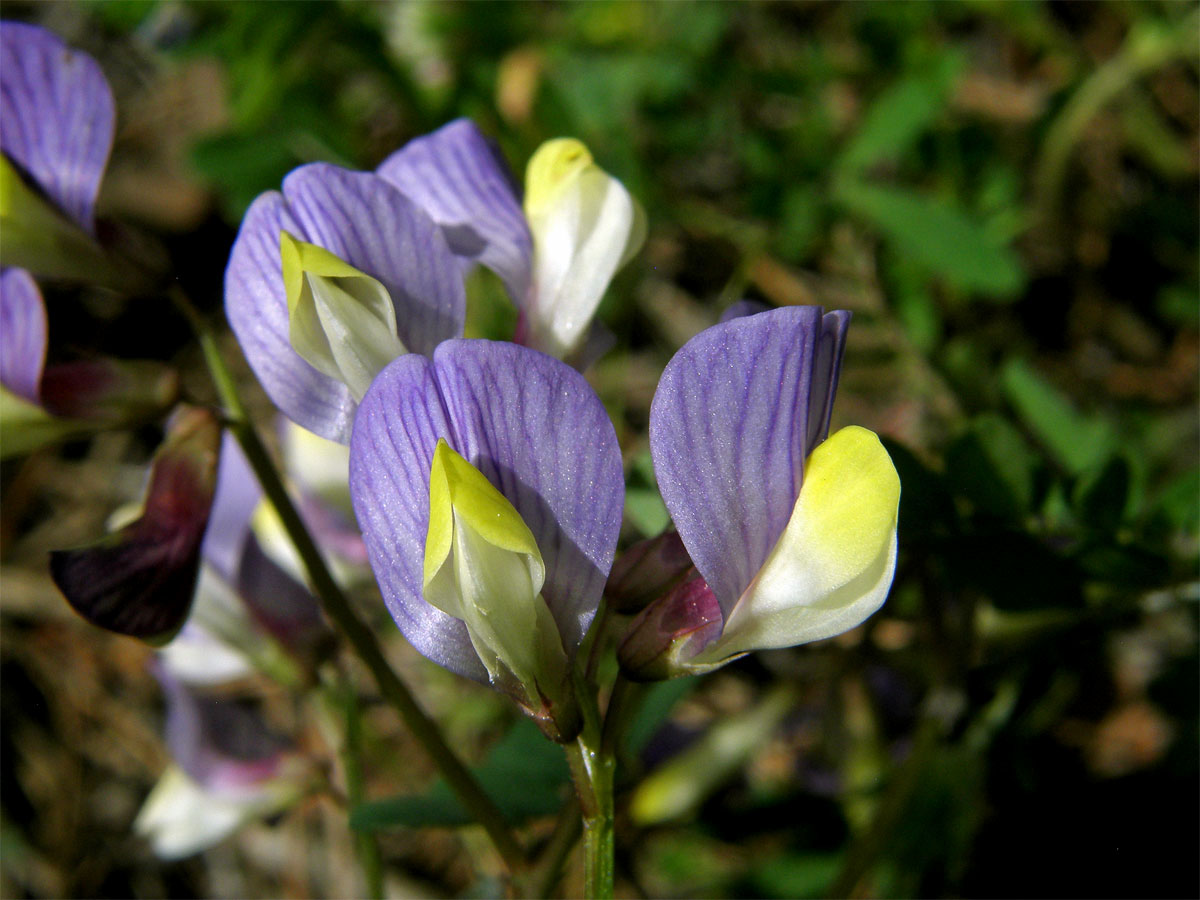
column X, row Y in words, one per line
column 834, row 563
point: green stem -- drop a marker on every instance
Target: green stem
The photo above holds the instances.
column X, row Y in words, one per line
column 592, row 772
column 367, row 846
column 337, row 608
column 549, row 867
column 1149, row 45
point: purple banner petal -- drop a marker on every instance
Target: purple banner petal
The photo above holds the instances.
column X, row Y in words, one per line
column 536, row 430
column 730, row 428
column 828, row 366
column 370, row 225
column 56, row 116
column 459, row 178
column 22, row 334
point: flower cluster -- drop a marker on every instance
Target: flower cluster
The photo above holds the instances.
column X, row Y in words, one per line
column 486, row 477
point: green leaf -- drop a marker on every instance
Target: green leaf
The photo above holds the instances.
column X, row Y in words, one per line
column 1177, row 502
column 525, row 775
column 994, row 467
column 657, row 702
column 941, row 237
column 1102, row 497
column 1077, row 442
column 646, row 510
column 796, row 875
column 900, row 115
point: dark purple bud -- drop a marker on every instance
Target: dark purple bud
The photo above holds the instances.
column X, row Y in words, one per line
column 646, row 571
column 671, row 631
column 140, row 580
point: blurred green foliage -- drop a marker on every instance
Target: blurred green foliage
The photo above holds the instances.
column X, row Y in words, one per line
column 1005, row 196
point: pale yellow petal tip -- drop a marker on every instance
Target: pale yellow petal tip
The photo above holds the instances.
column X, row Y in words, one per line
column 440, row 532
column 553, row 166
column 457, row 488
column 853, row 454
column 301, row 256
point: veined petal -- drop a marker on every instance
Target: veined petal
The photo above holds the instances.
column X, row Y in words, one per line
column 535, row 430
column 369, row 225
column 585, row 226
column 342, row 321
column 22, row 334
column 42, row 238
column 462, row 183
column 57, row 117
column 833, row 564
column 730, row 427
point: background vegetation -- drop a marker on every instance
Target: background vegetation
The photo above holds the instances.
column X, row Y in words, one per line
column 1004, row 194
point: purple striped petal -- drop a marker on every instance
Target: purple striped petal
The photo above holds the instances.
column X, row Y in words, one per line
column 536, row 430
column 370, row 225
column 56, row 116
column 737, row 411
column 22, row 334
column 459, row 178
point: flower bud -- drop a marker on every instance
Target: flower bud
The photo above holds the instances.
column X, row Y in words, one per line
column 483, row 566
column 341, row 321
column 585, row 226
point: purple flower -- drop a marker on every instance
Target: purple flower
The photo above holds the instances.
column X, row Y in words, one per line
column 557, row 254
column 57, row 119
column 235, row 562
column 229, row 768
column 344, row 271
column 793, row 536
column 488, row 485
column 41, row 404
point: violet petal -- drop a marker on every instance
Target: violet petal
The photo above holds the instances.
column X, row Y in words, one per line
column 459, row 178
column 222, row 744
column 57, row 116
column 730, row 427
column 22, row 334
column 536, row 430
column 366, row 222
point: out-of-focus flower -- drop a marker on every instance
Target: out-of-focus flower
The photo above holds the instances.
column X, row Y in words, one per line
column 139, row 580
column 793, row 535
column 229, row 768
column 57, row 119
column 244, row 593
column 488, row 485
column 40, row 405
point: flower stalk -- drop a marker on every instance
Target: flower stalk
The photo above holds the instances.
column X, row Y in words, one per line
column 337, row 607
